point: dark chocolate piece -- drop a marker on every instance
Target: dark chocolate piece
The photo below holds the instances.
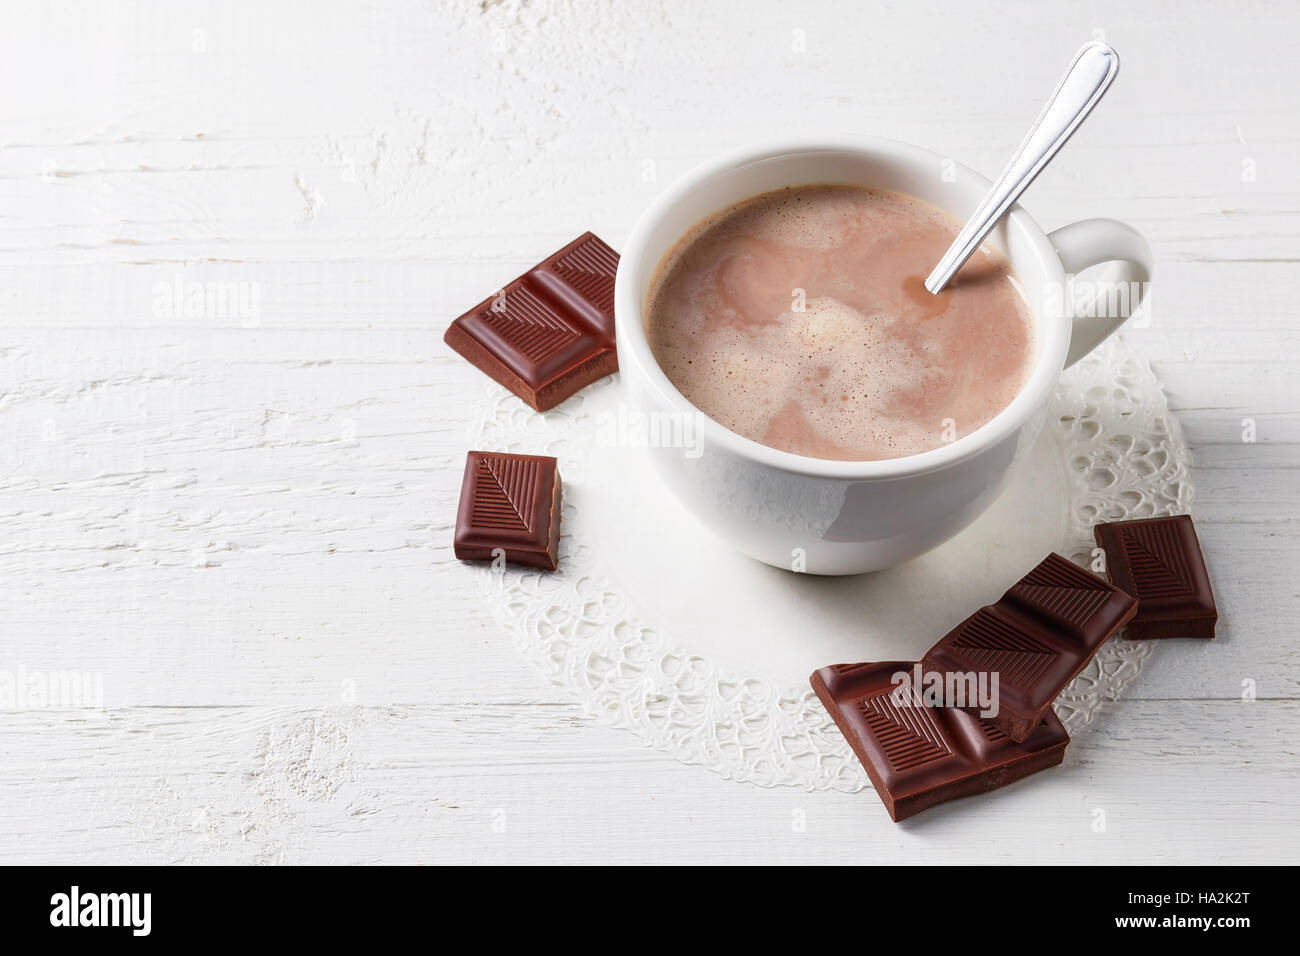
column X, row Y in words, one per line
column 509, row 503
column 1041, row 633
column 919, row 756
column 551, row 331
column 1159, row 562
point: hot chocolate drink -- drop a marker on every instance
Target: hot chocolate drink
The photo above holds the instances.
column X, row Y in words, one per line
column 799, row 318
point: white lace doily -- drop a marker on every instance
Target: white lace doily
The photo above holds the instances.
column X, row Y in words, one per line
column 1122, row 454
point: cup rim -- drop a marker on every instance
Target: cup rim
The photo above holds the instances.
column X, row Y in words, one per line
column 634, row 347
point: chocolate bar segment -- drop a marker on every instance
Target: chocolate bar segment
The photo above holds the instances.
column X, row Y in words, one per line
column 1041, row 633
column 551, row 331
column 1159, row 562
column 919, row 756
column 509, row 504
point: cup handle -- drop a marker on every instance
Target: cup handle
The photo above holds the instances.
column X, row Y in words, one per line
column 1091, row 242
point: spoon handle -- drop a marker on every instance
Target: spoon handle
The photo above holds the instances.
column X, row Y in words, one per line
column 1081, row 88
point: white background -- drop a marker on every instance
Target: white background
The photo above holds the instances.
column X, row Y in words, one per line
column 243, row 525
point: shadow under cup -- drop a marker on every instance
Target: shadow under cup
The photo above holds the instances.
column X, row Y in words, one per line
column 815, row 515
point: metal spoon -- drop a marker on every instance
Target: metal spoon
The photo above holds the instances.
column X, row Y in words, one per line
column 1081, row 88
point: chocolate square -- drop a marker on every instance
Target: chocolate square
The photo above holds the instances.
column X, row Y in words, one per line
column 551, row 331
column 1159, row 562
column 918, row 756
column 509, row 503
column 1036, row 638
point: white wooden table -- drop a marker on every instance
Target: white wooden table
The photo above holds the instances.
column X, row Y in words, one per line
column 238, row 513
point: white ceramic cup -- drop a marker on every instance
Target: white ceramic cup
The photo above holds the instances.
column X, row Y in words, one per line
column 840, row 517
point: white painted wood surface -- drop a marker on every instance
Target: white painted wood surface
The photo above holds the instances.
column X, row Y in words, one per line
column 243, row 523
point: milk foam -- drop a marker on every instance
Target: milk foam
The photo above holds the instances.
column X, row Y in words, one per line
column 798, row 319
